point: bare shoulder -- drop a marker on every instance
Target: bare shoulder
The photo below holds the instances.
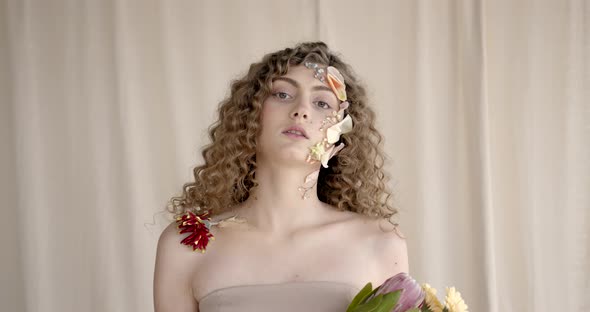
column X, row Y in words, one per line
column 391, row 250
column 388, row 253
column 387, row 240
column 173, row 272
column 169, row 242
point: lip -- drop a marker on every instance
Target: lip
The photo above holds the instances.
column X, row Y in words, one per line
column 296, row 128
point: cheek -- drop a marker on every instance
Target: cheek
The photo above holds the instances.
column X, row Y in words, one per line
column 269, row 119
column 266, row 114
column 263, row 110
column 270, row 110
column 319, row 125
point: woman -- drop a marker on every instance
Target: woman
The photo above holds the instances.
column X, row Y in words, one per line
column 294, row 187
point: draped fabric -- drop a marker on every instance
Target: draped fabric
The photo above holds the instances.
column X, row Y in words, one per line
column 288, row 297
column 484, row 106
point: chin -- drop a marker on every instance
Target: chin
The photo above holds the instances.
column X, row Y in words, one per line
column 288, row 154
column 293, row 159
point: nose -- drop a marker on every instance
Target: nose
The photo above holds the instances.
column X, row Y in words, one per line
column 296, row 114
column 300, row 111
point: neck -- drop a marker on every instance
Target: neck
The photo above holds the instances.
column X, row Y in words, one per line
column 277, row 205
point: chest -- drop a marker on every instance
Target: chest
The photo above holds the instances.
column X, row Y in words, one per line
column 338, row 258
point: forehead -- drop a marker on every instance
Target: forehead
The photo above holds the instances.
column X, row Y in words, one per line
column 303, row 74
column 302, row 77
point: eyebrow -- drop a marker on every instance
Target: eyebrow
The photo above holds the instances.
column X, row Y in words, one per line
column 296, row 84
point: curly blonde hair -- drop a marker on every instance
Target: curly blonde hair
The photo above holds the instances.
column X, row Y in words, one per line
column 354, row 180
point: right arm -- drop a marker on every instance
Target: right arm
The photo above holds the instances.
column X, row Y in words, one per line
column 173, row 274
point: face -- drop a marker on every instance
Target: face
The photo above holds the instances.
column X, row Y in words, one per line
column 297, row 99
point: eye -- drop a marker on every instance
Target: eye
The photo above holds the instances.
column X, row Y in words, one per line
column 323, row 104
column 282, row 95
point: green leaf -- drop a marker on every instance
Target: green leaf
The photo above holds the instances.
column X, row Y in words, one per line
column 389, row 301
column 392, row 298
column 370, row 294
column 370, row 306
column 362, row 295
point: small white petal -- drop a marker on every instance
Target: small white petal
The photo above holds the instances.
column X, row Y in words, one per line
column 326, row 157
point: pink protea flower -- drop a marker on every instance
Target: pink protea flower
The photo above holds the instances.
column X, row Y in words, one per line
column 412, row 294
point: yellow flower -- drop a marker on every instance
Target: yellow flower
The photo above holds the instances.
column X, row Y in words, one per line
column 431, row 300
column 317, row 151
column 454, row 302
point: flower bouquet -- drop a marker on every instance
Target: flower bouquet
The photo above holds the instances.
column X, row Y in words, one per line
column 401, row 293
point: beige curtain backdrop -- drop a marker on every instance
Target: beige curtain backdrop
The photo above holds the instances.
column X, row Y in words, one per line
column 484, row 106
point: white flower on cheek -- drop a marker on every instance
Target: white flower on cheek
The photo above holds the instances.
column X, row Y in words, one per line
column 333, row 133
column 324, row 150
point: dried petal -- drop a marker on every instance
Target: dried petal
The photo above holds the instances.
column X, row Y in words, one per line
column 344, row 105
column 310, row 178
column 336, row 82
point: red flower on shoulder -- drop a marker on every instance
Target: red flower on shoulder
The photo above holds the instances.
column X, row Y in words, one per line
column 198, row 226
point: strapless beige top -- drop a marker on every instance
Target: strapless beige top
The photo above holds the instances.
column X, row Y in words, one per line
column 287, row 297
